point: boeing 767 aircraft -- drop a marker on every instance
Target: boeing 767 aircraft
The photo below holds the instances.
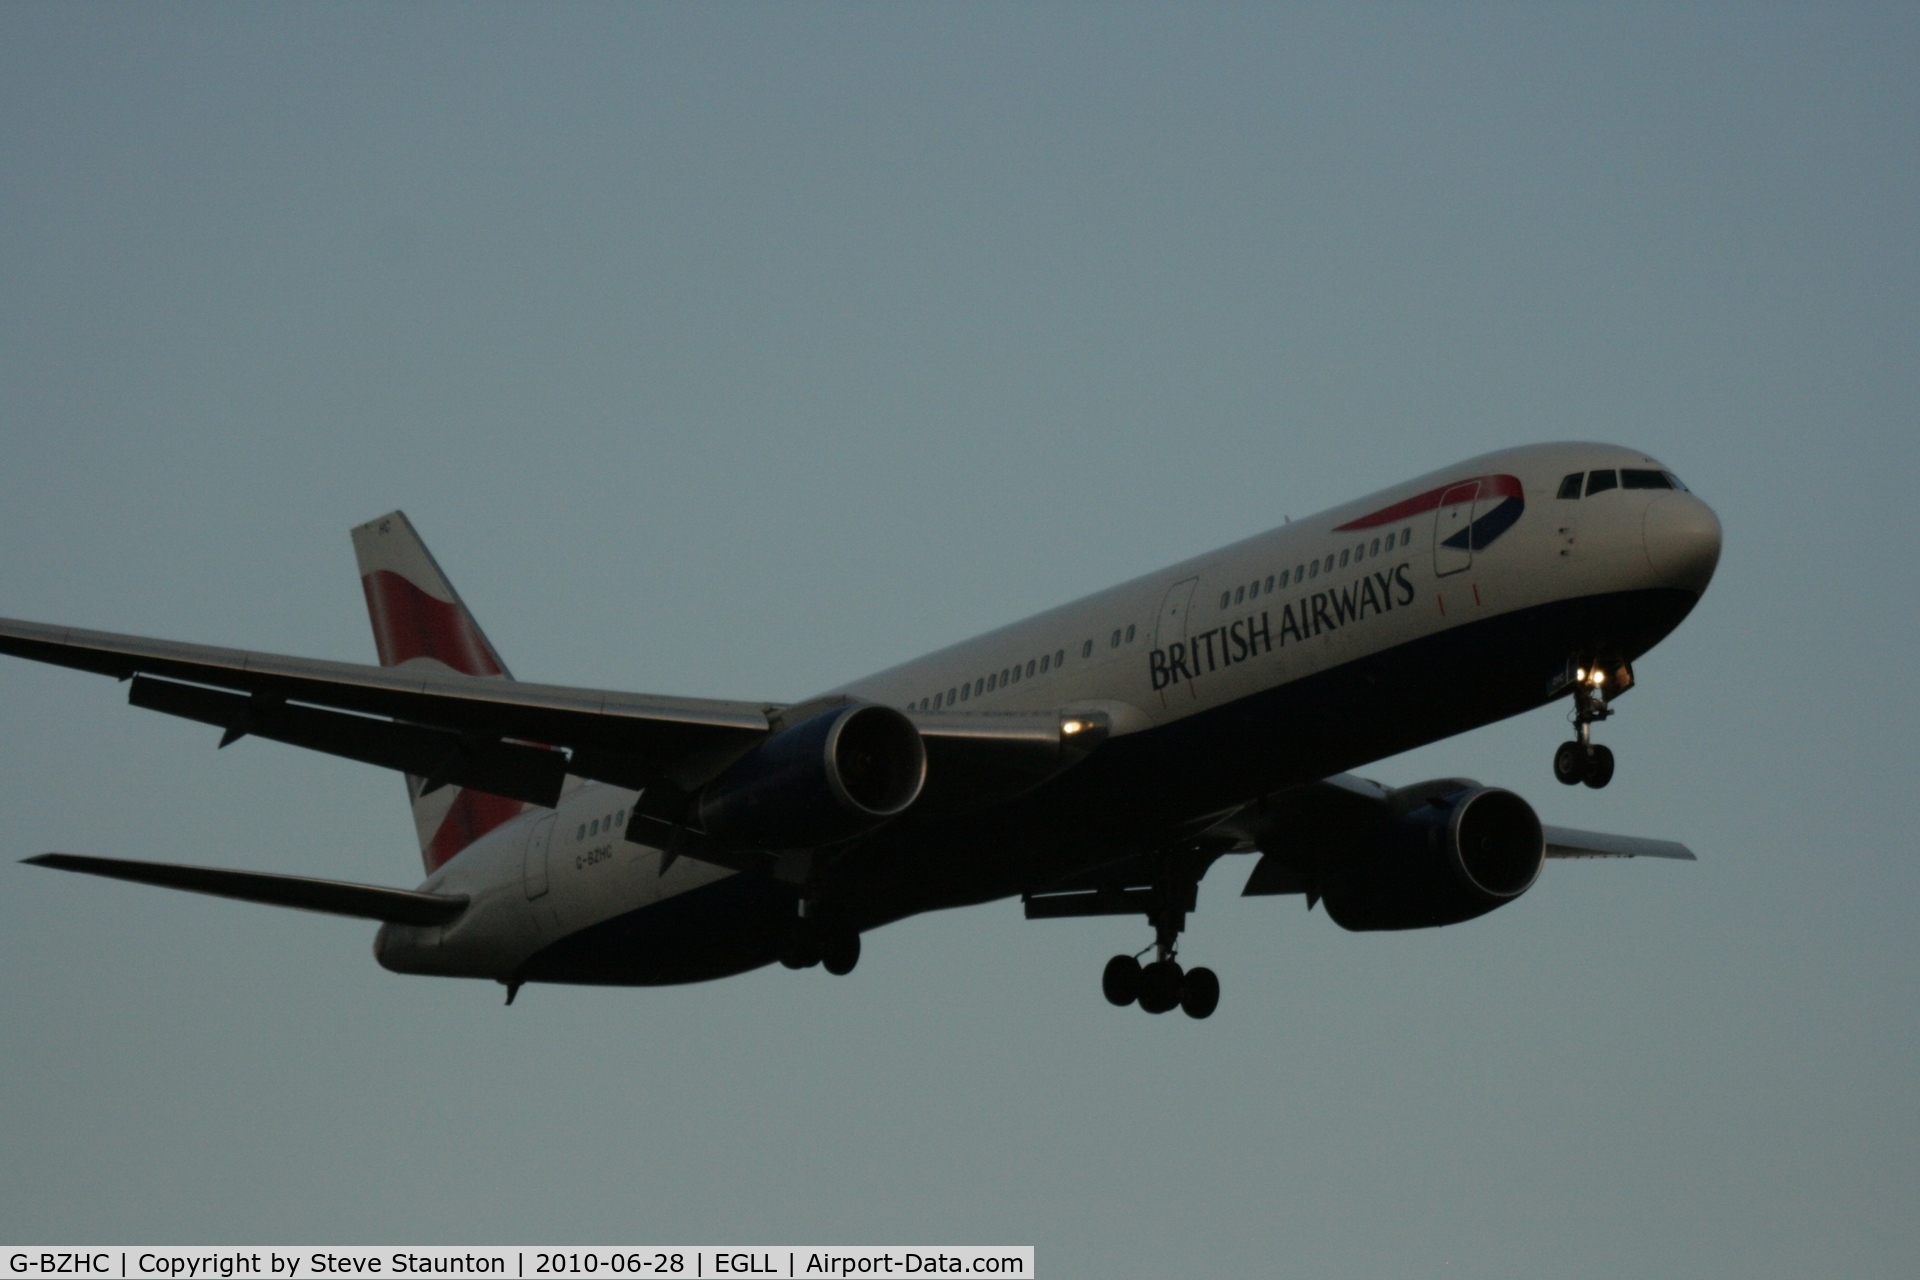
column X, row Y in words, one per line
column 1096, row 759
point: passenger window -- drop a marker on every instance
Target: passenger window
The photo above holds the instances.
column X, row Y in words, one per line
column 1283, row 577
column 1315, row 571
column 582, row 833
column 1240, row 595
column 964, row 690
column 1086, row 650
column 1003, row 678
column 1299, row 572
column 1600, row 480
column 990, row 680
column 1283, row 582
column 1343, row 560
column 1570, row 486
column 1405, row 534
column 1016, row 676
column 620, row 818
column 593, row 828
column 1129, row 633
column 1060, row 655
column 1115, row 642
column 953, row 696
column 1376, row 547
column 1046, row 661
column 1029, row 668
column 1643, row 480
column 979, row 686
column 1226, row 598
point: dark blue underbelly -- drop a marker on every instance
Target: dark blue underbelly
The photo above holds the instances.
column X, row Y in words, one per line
column 1132, row 791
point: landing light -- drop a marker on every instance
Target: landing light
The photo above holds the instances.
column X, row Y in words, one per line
column 1599, row 677
column 1071, row 727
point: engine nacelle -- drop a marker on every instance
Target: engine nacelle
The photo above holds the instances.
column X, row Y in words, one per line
column 828, row 777
column 1452, row 858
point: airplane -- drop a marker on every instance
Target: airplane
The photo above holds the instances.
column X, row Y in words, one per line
column 1095, row 759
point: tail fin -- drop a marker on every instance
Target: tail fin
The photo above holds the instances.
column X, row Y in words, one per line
column 418, row 620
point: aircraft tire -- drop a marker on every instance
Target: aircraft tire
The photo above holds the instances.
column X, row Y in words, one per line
column 841, row 953
column 802, row 950
column 1120, row 983
column 1201, row 995
column 1569, row 764
column 1160, row 986
column 1599, row 771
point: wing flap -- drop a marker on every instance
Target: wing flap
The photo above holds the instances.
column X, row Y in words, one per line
column 334, row 897
column 512, row 769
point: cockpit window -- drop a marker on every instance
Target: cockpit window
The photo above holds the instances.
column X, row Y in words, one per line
column 1599, row 480
column 1631, row 479
column 1570, row 487
column 1678, row 483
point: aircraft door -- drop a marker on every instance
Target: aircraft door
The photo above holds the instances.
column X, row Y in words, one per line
column 1170, row 628
column 534, row 865
column 1453, row 529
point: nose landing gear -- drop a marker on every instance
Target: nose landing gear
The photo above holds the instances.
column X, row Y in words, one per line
column 1584, row 760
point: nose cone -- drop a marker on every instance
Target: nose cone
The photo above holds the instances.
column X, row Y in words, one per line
column 1683, row 541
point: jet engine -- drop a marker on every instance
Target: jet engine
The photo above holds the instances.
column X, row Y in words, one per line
column 1451, row 858
column 829, row 777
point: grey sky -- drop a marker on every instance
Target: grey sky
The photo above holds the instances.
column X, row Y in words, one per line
column 739, row 350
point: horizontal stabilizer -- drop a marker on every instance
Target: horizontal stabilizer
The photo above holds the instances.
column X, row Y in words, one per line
column 1565, row 842
column 366, row 901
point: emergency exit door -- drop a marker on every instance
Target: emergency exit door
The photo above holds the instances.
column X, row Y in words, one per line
column 533, row 867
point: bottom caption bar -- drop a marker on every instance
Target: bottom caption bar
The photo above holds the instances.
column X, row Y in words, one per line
column 787, row 1262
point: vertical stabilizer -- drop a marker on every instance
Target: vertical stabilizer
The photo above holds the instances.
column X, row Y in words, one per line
column 419, row 621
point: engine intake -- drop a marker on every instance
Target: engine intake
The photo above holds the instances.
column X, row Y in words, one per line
column 827, row 778
column 1449, row 859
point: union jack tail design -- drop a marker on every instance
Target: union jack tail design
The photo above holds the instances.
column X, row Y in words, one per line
column 419, row 621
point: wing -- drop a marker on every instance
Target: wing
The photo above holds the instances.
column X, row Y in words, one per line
column 506, row 737
column 1565, row 842
column 335, row 897
column 1298, row 827
column 512, row 738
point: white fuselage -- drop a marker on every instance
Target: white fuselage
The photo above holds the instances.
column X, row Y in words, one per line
column 1295, row 602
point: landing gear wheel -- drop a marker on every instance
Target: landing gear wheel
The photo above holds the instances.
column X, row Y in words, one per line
column 1122, row 981
column 841, row 953
column 1202, row 994
column 1160, row 986
column 801, row 952
column 1570, row 764
column 1599, row 768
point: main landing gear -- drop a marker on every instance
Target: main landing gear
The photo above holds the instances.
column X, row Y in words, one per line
column 1162, row 985
column 835, row 950
column 1584, row 760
